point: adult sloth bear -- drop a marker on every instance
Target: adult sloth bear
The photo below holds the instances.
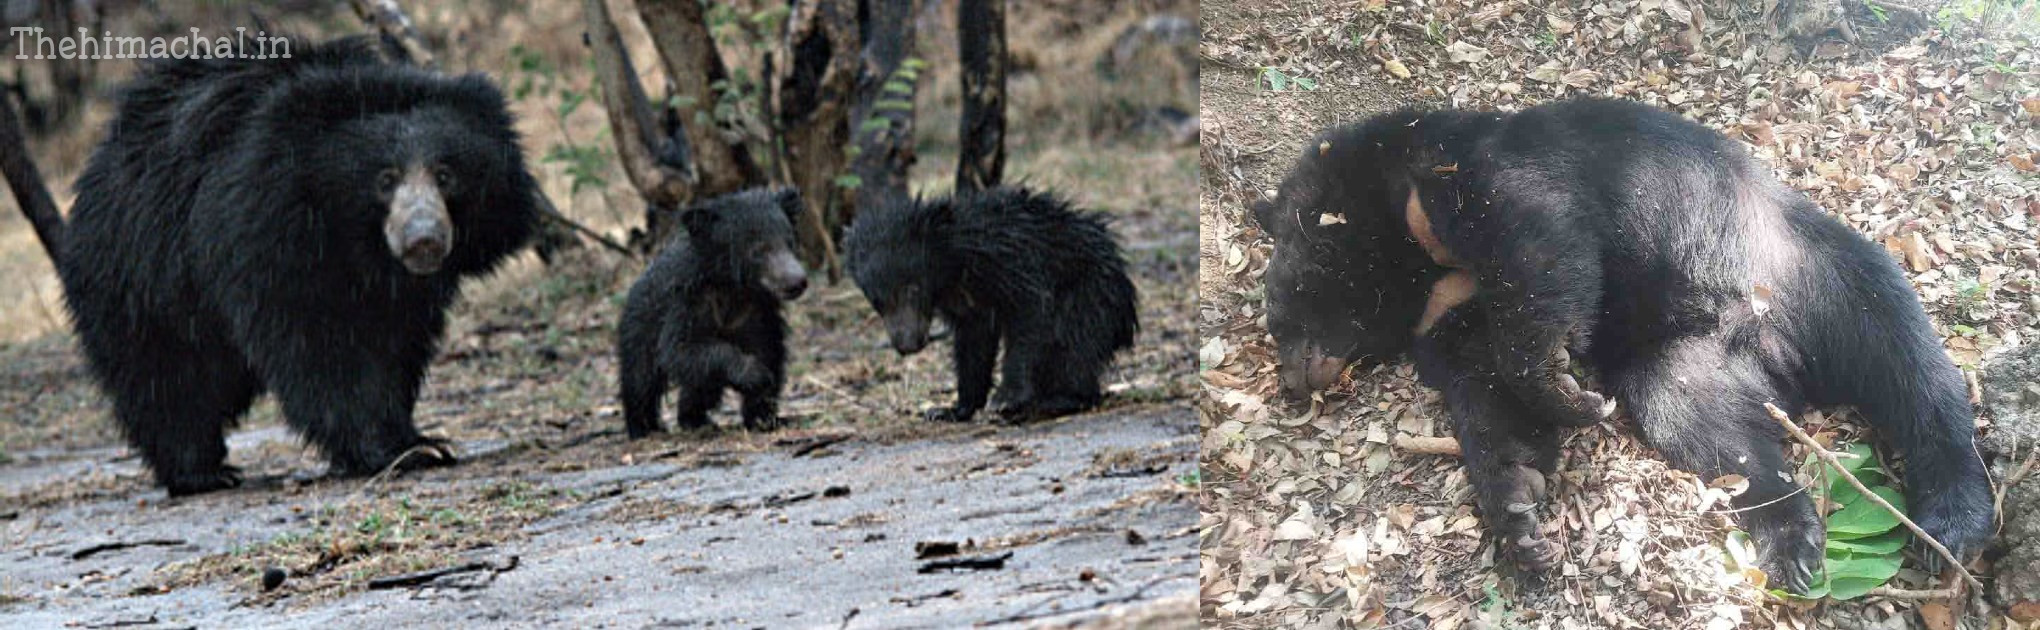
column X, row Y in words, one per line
column 296, row 226
column 1662, row 255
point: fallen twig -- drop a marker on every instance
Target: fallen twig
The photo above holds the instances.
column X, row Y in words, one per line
column 1427, row 445
column 967, row 563
column 88, row 552
column 2018, row 473
column 808, row 445
column 1828, row 458
column 427, row 577
column 1911, row 594
column 552, row 213
column 122, row 622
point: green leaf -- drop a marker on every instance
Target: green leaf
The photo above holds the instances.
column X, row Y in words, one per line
column 849, row 180
column 1849, row 565
column 1885, row 543
column 1859, row 456
column 572, row 100
column 1851, row 588
column 1863, row 518
column 1852, row 575
column 1306, row 83
column 1276, row 80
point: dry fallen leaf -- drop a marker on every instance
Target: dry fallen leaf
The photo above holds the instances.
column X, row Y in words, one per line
column 1462, row 52
column 1396, row 68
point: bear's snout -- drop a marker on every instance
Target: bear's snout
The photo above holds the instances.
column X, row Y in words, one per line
column 1310, row 370
column 785, row 277
column 419, row 229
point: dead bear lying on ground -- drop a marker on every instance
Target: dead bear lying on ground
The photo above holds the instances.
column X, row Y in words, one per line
column 705, row 314
column 296, row 226
column 1666, row 258
column 1006, row 266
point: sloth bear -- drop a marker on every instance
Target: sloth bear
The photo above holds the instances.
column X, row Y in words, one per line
column 1006, row 265
column 296, row 226
column 706, row 313
column 1663, row 256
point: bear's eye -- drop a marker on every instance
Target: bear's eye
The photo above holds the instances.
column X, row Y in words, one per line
column 386, row 181
column 442, row 176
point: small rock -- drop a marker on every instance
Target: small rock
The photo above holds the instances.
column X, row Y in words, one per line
column 273, row 577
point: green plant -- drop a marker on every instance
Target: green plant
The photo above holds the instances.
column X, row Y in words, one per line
column 1877, row 11
column 1497, row 611
column 531, row 74
column 1278, row 81
column 1971, row 294
column 896, row 95
column 1863, row 539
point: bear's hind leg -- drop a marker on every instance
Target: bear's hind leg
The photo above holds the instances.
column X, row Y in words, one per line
column 1701, row 404
column 175, row 406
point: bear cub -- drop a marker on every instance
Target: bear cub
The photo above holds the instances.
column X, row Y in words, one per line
column 705, row 314
column 1006, row 266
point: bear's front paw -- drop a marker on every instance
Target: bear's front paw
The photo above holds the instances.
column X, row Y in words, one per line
column 949, row 414
column 762, row 420
column 226, row 477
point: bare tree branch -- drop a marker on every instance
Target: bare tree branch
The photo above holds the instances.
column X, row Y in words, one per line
column 680, row 32
column 399, row 34
column 630, row 115
column 27, row 183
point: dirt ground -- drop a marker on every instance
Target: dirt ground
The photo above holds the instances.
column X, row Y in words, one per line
column 1921, row 134
column 850, row 517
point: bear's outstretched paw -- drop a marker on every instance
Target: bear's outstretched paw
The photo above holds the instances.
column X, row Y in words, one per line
column 1789, row 553
column 1517, row 525
column 1588, row 407
column 428, row 452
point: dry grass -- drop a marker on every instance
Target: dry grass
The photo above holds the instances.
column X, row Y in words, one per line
column 353, row 542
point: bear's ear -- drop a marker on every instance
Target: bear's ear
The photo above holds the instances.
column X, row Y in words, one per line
column 789, row 202
column 697, row 221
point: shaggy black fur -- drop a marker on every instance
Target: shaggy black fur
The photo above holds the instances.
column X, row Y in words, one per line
column 1697, row 285
column 706, row 314
column 1004, row 265
column 238, row 231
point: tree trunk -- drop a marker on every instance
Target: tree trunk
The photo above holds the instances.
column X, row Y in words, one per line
column 884, row 115
column 26, row 182
column 666, row 187
column 817, row 82
column 680, row 32
column 981, row 45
